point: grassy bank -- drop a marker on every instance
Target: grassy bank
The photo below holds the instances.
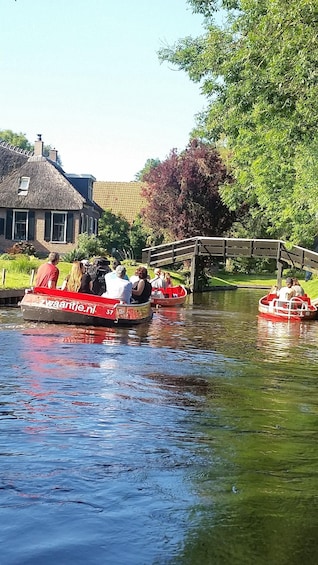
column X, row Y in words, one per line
column 19, row 271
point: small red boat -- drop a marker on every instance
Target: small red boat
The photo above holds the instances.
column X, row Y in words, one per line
column 63, row 307
column 171, row 296
column 297, row 308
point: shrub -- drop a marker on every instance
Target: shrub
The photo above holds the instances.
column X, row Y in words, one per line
column 24, row 247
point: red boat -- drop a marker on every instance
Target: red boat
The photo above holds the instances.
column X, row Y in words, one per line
column 171, row 296
column 297, row 308
column 63, row 307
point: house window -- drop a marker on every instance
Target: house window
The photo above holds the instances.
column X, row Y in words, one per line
column 58, row 226
column 23, row 186
column 20, row 225
column 95, row 226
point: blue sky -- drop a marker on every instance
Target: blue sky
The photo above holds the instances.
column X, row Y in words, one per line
column 86, row 75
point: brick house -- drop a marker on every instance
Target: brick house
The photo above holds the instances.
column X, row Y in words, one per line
column 42, row 204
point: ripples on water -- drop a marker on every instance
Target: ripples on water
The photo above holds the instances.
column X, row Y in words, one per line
column 190, row 440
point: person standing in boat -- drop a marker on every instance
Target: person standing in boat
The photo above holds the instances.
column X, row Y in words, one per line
column 286, row 292
column 118, row 286
column 48, row 273
column 142, row 289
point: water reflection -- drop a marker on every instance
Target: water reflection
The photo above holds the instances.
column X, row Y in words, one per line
column 189, row 440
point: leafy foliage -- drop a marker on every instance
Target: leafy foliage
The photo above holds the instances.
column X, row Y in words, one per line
column 88, row 246
column 150, row 164
column 183, row 194
column 113, row 231
column 16, row 139
column 22, row 247
column 259, row 74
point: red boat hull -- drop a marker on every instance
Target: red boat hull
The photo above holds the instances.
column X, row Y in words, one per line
column 171, row 296
column 297, row 309
column 62, row 307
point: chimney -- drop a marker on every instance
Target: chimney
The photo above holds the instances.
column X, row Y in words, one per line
column 53, row 155
column 38, row 146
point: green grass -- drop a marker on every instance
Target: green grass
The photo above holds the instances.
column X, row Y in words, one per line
column 19, row 268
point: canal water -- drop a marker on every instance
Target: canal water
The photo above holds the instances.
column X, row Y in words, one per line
column 189, row 440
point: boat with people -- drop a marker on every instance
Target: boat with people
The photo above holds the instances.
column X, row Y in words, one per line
column 63, row 307
column 296, row 308
column 170, row 296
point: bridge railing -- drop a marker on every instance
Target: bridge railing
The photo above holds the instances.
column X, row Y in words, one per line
column 221, row 247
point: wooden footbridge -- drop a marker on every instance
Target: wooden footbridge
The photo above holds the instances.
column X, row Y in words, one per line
column 222, row 248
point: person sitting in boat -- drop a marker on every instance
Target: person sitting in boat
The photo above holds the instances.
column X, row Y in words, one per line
column 48, row 273
column 78, row 280
column 158, row 280
column 286, row 292
column 134, row 278
column 297, row 288
column 98, row 271
column 118, row 286
column 141, row 291
column 167, row 280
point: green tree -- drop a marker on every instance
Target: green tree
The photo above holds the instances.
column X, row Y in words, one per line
column 138, row 236
column 16, row 139
column 150, row 164
column 258, row 71
column 113, row 231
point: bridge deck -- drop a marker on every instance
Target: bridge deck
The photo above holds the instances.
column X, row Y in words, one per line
column 219, row 247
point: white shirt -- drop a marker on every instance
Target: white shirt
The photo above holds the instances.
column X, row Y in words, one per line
column 285, row 293
column 157, row 282
column 118, row 288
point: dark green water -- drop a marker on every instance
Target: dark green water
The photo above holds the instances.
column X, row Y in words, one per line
column 191, row 440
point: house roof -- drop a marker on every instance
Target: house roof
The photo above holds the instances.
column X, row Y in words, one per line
column 120, row 197
column 48, row 188
column 11, row 158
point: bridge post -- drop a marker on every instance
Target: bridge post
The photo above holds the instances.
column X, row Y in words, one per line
column 279, row 266
column 194, row 268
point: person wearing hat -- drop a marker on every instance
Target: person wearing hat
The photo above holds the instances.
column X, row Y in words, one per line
column 286, row 292
column 118, row 286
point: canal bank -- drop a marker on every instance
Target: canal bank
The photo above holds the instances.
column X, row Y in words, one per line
column 11, row 296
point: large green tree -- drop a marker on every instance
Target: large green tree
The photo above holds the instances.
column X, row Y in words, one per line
column 182, row 193
column 259, row 72
column 113, row 231
column 16, row 139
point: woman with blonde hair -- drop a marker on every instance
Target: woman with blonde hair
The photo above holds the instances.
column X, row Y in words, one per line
column 74, row 281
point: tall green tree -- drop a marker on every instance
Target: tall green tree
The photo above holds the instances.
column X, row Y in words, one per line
column 113, row 231
column 16, row 139
column 150, row 164
column 182, row 193
column 258, row 70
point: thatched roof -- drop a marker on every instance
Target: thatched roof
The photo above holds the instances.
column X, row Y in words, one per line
column 11, row 158
column 48, row 189
column 120, row 197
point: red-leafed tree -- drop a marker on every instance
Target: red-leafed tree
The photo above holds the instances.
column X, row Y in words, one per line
column 182, row 193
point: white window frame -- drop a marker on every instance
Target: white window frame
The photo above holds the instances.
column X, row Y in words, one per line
column 23, row 188
column 52, row 226
column 14, row 223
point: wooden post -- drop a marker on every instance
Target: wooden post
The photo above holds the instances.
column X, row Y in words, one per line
column 279, row 265
column 4, row 272
column 32, row 277
column 193, row 276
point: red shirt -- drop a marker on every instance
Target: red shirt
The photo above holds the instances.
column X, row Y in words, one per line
column 47, row 272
